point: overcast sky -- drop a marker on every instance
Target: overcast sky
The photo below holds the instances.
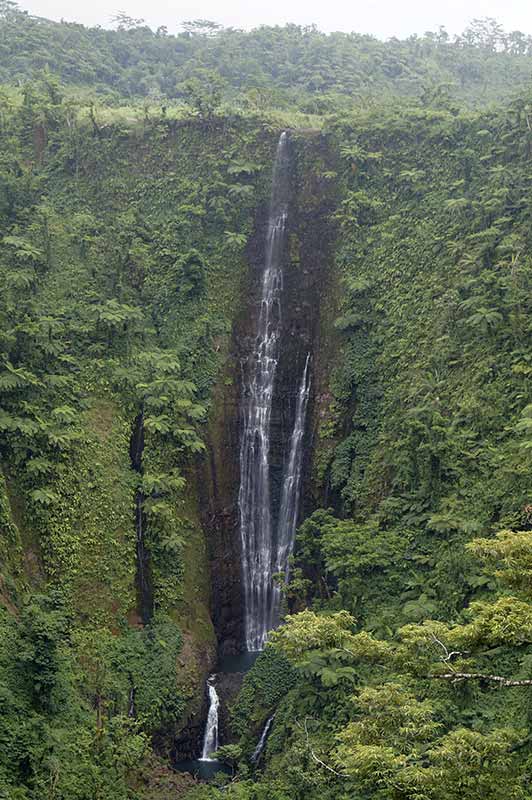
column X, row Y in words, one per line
column 382, row 18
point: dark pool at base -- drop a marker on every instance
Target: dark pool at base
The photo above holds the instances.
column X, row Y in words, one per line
column 239, row 663
column 204, row 770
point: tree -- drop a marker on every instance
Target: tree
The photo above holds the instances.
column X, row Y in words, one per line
column 201, row 27
column 125, row 22
column 204, row 92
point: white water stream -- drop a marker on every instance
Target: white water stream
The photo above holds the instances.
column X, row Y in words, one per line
column 262, row 741
column 266, row 548
column 210, row 738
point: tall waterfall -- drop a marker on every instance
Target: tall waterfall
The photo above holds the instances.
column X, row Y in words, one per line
column 265, row 550
column 210, row 737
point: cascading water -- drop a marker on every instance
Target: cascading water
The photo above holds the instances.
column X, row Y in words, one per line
column 288, row 513
column 259, row 376
column 262, row 741
column 210, row 738
column 265, row 551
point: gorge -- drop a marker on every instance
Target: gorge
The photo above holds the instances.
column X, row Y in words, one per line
column 265, row 360
column 270, row 418
column 267, row 532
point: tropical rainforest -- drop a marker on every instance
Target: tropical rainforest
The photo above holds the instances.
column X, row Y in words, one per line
column 135, row 173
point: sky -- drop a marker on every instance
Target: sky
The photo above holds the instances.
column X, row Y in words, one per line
column 382, row 18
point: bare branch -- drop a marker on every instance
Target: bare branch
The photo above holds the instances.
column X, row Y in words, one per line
column 448, row 655
column 315, row 757
column 457, row 677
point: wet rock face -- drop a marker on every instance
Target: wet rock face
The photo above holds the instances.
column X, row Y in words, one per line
column 218, row 485
column 228, row 685
column 187, row 743
column 306, row 260
column 183, row 740
column 220, row 479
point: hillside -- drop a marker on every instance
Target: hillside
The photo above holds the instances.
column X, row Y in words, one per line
column 268, row 66
column 136, row 245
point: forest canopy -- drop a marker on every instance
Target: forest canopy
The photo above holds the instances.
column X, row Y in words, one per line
column 268, row 66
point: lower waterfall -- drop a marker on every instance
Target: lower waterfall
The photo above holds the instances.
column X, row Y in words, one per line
column 210, row 738
column 262, row 741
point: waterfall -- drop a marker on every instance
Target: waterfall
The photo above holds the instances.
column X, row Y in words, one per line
column 265, row 551
column 262, row 741
column 286, row 528
column 210, row 738
column 254, row 492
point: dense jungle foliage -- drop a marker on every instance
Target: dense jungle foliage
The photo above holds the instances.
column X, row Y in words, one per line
column 403, row 671
column 410, row 653
column 279, row 67
column 120, row 267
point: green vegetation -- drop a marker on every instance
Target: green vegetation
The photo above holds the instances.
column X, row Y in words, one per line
column 132, row 167
column 267, row 67
column 121, row 262
column 414, row 650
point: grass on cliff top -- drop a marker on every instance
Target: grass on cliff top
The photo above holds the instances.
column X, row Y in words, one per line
column 132, row 115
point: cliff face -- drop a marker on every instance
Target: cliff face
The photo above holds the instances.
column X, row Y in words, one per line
column 307, row 275
column 126, row 283
column 144, row 259
column 139, row 257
